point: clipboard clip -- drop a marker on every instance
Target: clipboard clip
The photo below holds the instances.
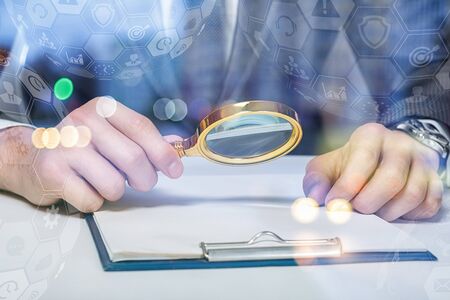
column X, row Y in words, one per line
column 267, row 245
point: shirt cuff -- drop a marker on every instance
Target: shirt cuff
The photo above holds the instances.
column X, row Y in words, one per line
column 7, row 124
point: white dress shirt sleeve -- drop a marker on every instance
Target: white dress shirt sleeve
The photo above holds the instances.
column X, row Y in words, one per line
column 7, row 124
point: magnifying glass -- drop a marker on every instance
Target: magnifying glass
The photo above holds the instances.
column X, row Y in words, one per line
column 244, row 133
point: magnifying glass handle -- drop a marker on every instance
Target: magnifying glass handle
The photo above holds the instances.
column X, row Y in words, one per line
column 186, row 147
column 178, row 145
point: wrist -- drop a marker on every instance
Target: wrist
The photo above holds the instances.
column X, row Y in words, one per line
column 16, row 158
column 433, row 135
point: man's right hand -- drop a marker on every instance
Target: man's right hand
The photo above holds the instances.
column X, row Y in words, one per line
column 125, row 147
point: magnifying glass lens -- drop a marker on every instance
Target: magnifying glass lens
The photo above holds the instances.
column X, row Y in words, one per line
column 249, row 136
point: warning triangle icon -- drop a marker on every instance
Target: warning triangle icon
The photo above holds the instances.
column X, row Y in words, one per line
column 325, row 9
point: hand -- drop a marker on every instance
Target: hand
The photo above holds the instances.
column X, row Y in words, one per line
column 125, row 147
column 380, row 171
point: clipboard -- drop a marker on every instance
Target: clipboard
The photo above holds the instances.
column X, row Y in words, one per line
column 264, row 249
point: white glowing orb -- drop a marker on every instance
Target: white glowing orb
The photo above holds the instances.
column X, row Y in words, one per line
column 305, row 210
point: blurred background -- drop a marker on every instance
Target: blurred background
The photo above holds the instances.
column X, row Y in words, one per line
column 338, row 63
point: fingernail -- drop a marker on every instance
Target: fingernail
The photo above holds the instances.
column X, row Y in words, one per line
column 175, row 169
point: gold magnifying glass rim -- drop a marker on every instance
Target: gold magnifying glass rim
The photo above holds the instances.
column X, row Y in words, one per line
column 197, row 145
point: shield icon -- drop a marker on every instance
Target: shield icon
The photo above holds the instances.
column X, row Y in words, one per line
column 374, row 30
column 103, row 14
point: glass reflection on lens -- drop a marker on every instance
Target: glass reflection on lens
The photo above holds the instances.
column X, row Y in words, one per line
column 249, row 136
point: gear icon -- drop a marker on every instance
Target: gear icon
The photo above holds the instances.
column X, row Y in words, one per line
column 51, row 217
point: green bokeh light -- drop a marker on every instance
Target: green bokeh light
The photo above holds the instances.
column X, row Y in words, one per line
column 63, row 88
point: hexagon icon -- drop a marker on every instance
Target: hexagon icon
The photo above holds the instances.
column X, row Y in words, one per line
column 44, row 262
column 13, row 284
column 295, row 66
column 17, row 243
column 71, row 30
column 337, row 93
column 43, row 114
column 70, row 7
column 207, row 7
column 417, row 90
column 181, row 47
column 75, row 56
column 46, row 40
column 104, row 70
column 136, row 57
column 42, row 12
column 260, row 39
column 35, row 84
column 380, row 3
column 256, row 9
column 326, row 14
column 80, row 72
column 9, row 63
column 369, row 108
column 337, row 59
column 443, row 76
column 49, row 222
column 138, row 7
column 287, row 25
column 190, row 24
column 410, row 12
column 374, row 31
column 103, row 15
column 13, row 97
column 163, row 42
column 437, row 285
column 136, row 31
column 167, row 14
column 35, row 290
column 421, row 54
column 375, row 77
column 103, row 47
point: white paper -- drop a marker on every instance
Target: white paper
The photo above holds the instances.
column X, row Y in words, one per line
column 171, row 221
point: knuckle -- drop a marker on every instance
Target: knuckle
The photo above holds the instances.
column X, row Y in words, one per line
column 135, row 156
column 394, row 179
column 141, row 123
column 431, row 208
column 414, row 194
column 368, row 154
column 371, row 129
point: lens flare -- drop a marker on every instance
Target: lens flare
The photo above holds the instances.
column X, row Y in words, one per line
column 36, row 138
column 69, row 136
column 51, row 138
column 339, row 211
column 84, row 136
column 106, row 106
column 305, row 210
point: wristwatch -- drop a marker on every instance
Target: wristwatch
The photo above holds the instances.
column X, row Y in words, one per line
column 434, row 135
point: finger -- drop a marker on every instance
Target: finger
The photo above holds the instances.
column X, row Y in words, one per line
column 172, row 138
column 412, row 195
column 360, row 166
column 81, row 195
column 142, row 131
column 123, row 153
column 388, row 180
column 98, row 172
column 318, row 177
column 433, row 200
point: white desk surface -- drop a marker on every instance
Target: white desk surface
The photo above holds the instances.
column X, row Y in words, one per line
column 74, row 270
